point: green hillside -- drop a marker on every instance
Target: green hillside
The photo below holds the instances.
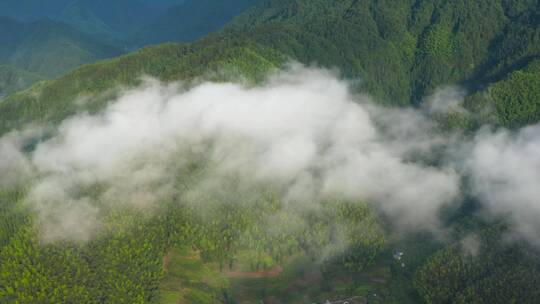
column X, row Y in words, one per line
column 484, row 44
column 47, row 49
column 53, row 101
column 12, row 33
column 51, row 40
column 404, row 51
column 400, row 51
column 82, row 18
column 31, row 10
column 190, row 20
column 121, row 17
column 52, row 49
column 13, row 80
column 502, row 274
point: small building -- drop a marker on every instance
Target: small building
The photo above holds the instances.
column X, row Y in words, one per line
column 398, row 255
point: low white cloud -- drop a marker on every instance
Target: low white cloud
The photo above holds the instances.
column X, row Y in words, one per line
column 445, row 100
column 505, row 170
column 301, row 132
column 14, row 165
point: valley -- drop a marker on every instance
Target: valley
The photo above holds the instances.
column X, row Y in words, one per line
column 269, row 151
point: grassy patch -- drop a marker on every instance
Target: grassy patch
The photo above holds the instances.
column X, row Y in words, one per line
column 188, row 279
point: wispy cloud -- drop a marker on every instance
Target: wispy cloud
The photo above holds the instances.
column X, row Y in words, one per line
column 301, row 133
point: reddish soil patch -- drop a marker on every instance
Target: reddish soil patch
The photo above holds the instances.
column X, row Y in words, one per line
column 270, row 273
column 378, row 280
column 167, row 260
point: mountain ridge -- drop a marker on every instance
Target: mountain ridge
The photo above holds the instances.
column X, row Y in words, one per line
column 401, row 66
column 480, row 242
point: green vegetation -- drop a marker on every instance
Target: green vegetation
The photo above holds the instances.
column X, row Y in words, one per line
column 189, row 21
column 107, row 270
column 514, row 100
column 48, row 48
column 53, row 101
column 188, row 279
column 478, row 44
column 498, row 273
column 200, row 248
column 401, row 51
column 52, row 49
column 13, row 80
column 49, row 40
column 125, row 263
column 42, row 50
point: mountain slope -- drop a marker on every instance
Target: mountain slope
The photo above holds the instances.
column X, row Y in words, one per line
column 162, row 4
column 12, row 33
column 13, row 80
column 52, row 101
column 122, row 16
column 94, row 30
column 106, row 19
column 191, row 20
column 365, row 39
column 130, row 24
column 51, row 49
column 31, row 10
column 83, row 19
column 402, row 51
column 46, row 49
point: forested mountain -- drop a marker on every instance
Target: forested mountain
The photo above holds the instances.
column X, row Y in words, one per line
column 109, row 20
column 121, row 16
column 13, row 80
column 481, row 44
column 401, row 52
column 404, row 51
column 35, row 35
column 162, row 4
column 132, row 22
column 45, row 49
column 31, row 10
column 51, row 48
column 191, row 20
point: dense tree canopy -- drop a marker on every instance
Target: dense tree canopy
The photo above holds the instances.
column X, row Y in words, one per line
column 401, row 51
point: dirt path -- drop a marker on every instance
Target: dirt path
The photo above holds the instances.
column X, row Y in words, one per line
column 167, row 260
column 270, row 273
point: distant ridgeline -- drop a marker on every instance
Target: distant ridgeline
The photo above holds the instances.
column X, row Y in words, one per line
column 402, row 51
column 50, row 38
